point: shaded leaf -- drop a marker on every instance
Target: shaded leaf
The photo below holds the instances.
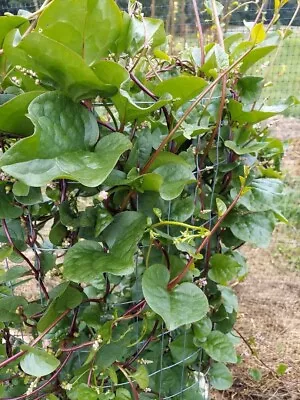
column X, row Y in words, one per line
column 86, row 260
column 220, row 376
column 185, row 304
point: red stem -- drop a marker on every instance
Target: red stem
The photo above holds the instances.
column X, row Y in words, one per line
column 35, row 341
column 34, row 270
column 182, row 274
column 53, row 377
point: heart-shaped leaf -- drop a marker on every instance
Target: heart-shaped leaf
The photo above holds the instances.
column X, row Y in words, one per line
column 185, row 304
column 38, row 362
column 87, row 260
column 219, row 347
column 61, row 147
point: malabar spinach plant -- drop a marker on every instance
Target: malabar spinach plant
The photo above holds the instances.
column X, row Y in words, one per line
column 130, row 179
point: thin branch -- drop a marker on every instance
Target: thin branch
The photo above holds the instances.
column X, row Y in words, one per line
column 152, row 95
column 189, row 110
column 35, row 341
column 145, row 344
column 35, row 271
column 200, row 31
column 182, row 274
column 45, row 384
column 134, row 391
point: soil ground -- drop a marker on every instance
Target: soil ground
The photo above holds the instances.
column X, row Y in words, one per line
column 269, row 316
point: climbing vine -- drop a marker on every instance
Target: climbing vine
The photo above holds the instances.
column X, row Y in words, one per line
column 130, row 180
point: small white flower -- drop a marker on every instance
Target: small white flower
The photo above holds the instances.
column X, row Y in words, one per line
column 103, row 195
column 147, row 390
column 96, row 345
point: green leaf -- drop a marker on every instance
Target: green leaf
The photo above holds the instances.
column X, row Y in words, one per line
column 148, row 31
column 185, row 304
column 222, row 57
column 20, row 189
column 255, row 374
column 182, row 209
column 229, row 299
column 16, row 232
column 250, row 88
column 175, row 177
column 281, row 369
column 86, row 260
column 202, row 328
column 89, row 28
column 67, row 154
column 181, row 88
column 9, row 22
column 5, row 251
column 33, row 197
column 245, row 115
column 123, row 394
column 255, row 228
column 183, row 349
column 265, row 194
column 38, row 362
column 223, row 268
column 221, row 207
column 258, row 33
column 141, row 376
column 64, row 297
column 254, row 56
column 13, row 118
column 56, row 65
column 219, row 347
column 7, row 208
column 8, row 308
column 251, row 148
column 129, row 110
column 14, row 273
column 82, row 391
column 220, row 376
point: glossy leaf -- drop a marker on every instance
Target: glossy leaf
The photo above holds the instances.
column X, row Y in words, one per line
column 9, row 22
column 38, row 362
column 42, row 157
column 56, row 65
column 181, row 88
column 185, row 304
column 87, row 260
column 89, row 27
column 13, row 118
